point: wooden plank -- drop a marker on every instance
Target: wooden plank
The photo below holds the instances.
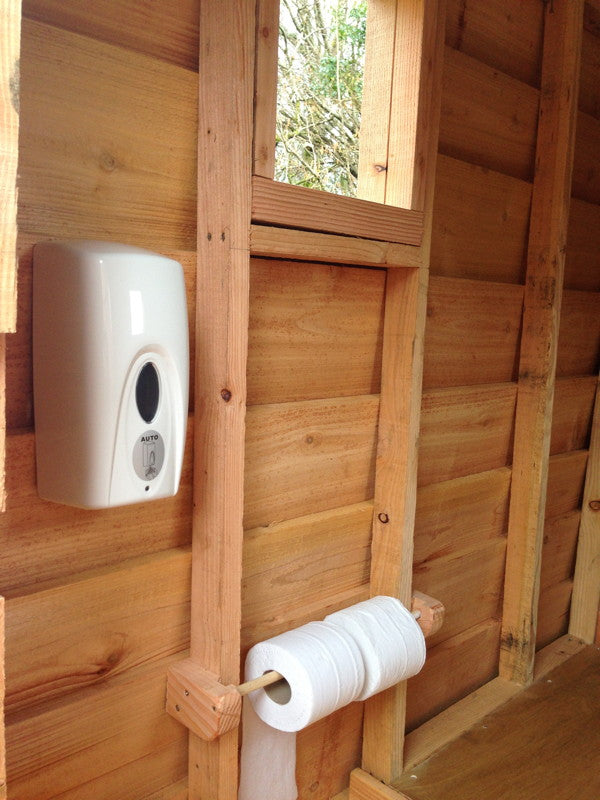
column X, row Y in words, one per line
column 176, row 791
column 457, row 514
column 265, row 88
column 553, row 612
column 579, row 354
column 541, row 743
column 2, row 695
column 506, row 36
column 586, row 165
column 2, row 422
column 224, row 196
column 315, row 331
column 555, row 654
column 465, row 430
column 458, row 578
column 309, row 456
column 266, row 240
column 108, row 142
column 572, row 413
column 168, row 30
column 566, row 476
column 365, row 787
column 582, row 261
column 10, row 30
column 586, row 589
column 559, row 548
column 299, row 570
column 277, row 203
column 541, row 314
column 482, row 107
column 113, row 740
column 472, row 332
column 421, row 26
column 589, row 92
column 93, row 636
column 468, row 198
column 39, row 537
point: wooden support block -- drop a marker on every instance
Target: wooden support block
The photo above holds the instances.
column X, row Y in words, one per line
column 365, row 787
column 431, row 613
column 197, row 699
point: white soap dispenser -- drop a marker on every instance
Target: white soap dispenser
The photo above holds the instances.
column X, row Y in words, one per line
column 110, row 370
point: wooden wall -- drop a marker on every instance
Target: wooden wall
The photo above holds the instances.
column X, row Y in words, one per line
column 98, row 601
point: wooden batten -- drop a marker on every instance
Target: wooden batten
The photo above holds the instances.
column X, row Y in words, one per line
column 542, row 302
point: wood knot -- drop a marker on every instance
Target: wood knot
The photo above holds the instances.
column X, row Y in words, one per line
column 226, row 395
column 594, row 505
column 383, row 518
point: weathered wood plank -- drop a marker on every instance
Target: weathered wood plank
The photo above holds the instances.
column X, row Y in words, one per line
column 586, row 165
column 566, row 477
column 471, row 198
column 582, row 261
column 10, row 30
column 278, row 203
column 315, row 331
column 586, row 589
column 559, row 548
column 488, row 118
column 307, row 457
column 108, row 144
column 572, row 413
column 465, row 430
column 472, row 332
column 579, row 354
column 68, row 635
column 506, row 36
column 541, row 316
column 553, row 612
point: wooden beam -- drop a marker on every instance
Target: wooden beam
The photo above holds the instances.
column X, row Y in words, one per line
column 224, row 171
column 365, row 787
column 542, row 302
column 265, row 87
column 10, row 36
column 421, row 25
column 586, row 586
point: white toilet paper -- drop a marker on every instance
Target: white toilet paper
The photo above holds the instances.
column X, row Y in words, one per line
column 351, row 655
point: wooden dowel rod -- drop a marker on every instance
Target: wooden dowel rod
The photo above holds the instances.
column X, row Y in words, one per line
column 259, row 683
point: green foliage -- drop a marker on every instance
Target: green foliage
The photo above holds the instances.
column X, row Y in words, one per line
column 321, row 57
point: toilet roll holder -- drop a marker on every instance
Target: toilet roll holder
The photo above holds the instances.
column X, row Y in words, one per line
column 208, row 708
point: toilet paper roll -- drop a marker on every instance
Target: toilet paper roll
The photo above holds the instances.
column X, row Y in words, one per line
column 390, row 640
column 324, row 670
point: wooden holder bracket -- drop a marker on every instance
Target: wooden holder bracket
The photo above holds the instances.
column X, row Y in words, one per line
column 209, row 709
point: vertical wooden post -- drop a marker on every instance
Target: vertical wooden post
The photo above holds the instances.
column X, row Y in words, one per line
column 265, row 87
column 541, row 314
column 224, row 173
column 586, row 586
column 410, row 173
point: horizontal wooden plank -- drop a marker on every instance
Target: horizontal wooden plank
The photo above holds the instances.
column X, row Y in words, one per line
column 39, row 538
column 566, row 475
column 108, row 145
column 299, row 570
column 315, row 331
column 468, row 582
column 488, row 118
column 460, row 513
column 166, row 30
column 278, row 203
column 582, row 259
column 589, row 79
column 466, row 662
column 559, row 548
column 586, row 162
column 553, row 612
column 579, row 335
column 65, row 636
column 266, row 240
column 506, row 36
column 310, row 456
column 572, row 413
column 468, row 199
column 19, row 402
column 176, row 791
column 465, row 430
column 100, row 742
column 472, row 332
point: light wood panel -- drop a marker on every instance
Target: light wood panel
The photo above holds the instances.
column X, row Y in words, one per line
column 579, row 338
column 472, row 332
column 457, row 514
column 10, row 29
column 488, row 118
column 307, row 457
column 582, row 261
column 506, row 36
column 114, row 737
column 108, row 145
column 166, row 30
column 315, row 331
column 572, row 413
column 39, row 538
column 465, row 431
column 53, row 651
column 471, row 198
